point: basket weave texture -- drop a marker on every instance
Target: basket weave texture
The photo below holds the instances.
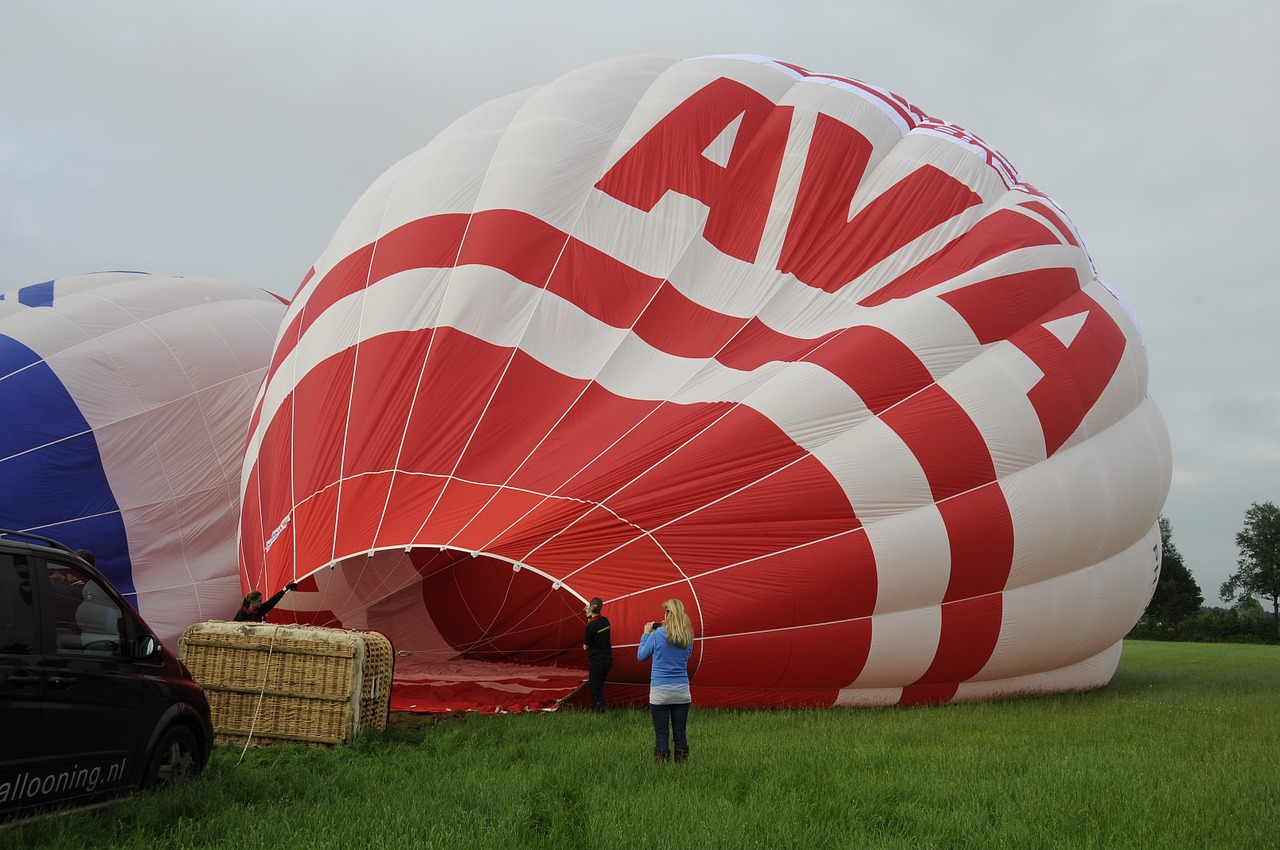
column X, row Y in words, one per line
column 272, row 684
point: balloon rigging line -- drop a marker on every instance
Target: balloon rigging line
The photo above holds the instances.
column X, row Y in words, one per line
column 422, row 372
column 649, row 532
column 480, row 419
column 471, row 613
column 413, row 406
column 382, row 582
column 355, row 364
column 293, row 465
column 195, row 392
column 488, row 634
column 245, row 578
column 390, row 589
column 512, row 627
column 259, row 402
column 542, row 293
column 262, row 692
column 70, row 520
column 42, row 446
column 426, row 357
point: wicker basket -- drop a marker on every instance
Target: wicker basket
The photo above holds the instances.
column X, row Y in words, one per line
column 290, row 684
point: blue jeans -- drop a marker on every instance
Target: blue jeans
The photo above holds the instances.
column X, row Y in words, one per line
column 678, row 716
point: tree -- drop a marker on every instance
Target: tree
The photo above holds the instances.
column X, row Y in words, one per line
column 1259, row 573
column 1249, row 608
column 1177, row 597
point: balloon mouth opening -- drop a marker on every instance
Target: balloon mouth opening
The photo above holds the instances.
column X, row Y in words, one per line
column 489, row 608
column 474, row 631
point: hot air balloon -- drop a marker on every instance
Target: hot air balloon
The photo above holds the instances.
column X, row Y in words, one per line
column 776, row 343
column 127, row 399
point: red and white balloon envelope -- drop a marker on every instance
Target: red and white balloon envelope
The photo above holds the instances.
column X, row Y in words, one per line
column 775, row 343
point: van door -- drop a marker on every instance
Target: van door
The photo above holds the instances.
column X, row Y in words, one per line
column 21, row 677
column 95, row 704
column 69, row 688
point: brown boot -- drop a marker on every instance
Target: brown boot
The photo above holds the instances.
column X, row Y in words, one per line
column 682, row 755
column 661, row 756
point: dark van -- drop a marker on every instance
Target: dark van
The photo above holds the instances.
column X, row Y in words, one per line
column 91, row 705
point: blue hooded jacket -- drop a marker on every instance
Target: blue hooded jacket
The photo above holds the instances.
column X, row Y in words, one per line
column 670, row 662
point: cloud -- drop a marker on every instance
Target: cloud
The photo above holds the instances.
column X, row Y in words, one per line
column 230, row 139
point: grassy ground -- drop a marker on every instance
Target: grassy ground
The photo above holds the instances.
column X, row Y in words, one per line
column 1181, row 750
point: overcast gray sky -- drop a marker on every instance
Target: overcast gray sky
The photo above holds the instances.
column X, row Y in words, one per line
column 230, row 138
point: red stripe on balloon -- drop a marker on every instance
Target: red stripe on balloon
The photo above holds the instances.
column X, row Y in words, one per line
column 874, row 363
column 980, row 532
column 534, row 252
column 928, row 694
column 945, row 441
column 431, row 242
column 970, row 629
column 992, row 236
column 1055, row 218
column 648, row 463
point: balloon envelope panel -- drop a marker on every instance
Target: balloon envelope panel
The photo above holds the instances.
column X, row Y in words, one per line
column 127, row 398
column 778, row 344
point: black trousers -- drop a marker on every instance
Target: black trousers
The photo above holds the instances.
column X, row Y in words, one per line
column 599, row 671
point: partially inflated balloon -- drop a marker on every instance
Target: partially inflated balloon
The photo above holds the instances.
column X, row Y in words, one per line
column 774, row 343
column 126, row 402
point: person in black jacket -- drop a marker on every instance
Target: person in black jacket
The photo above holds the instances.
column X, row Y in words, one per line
column 254, row 610
column 599, row 647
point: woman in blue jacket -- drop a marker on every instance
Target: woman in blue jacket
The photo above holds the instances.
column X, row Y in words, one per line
column 669, row 644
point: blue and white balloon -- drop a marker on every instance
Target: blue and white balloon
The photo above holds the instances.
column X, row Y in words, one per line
column 126, row 399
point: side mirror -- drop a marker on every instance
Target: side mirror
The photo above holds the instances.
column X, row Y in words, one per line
column 145, row 647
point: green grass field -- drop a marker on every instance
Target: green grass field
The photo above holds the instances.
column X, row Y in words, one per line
column 1182, row 749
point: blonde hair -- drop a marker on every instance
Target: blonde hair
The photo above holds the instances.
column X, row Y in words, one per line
column 679, row 629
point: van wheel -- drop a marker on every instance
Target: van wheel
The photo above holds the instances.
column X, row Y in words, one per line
column 175, row 759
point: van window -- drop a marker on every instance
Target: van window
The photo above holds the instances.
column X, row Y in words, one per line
column 17, row 609
column 86, row 618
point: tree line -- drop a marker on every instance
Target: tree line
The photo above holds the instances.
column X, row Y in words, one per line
column 1177, row 610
